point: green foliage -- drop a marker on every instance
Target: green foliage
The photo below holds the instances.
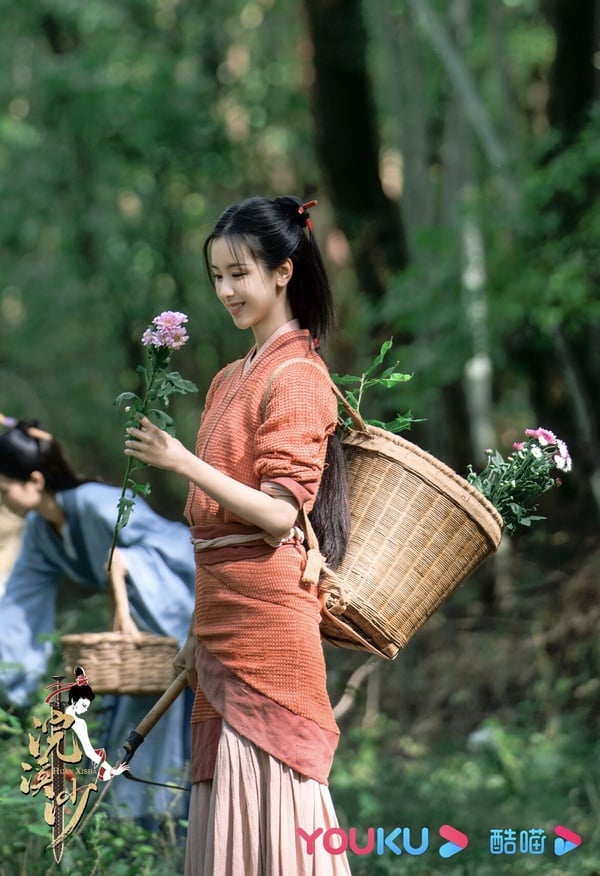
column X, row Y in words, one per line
column 355, row 387
column 423, row 305
column 104, row 846
column 504, row 777
column 547, row 277
column 126, row 129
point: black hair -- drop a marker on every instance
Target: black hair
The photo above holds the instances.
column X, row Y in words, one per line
column 274, row 231
column 26, row 447
column 80, row 691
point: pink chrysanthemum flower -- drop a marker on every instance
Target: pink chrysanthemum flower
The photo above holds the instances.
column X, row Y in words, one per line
column 172, row 337
column 544, row 436
column 169, row 331
column 170, row 319
column 562, row 459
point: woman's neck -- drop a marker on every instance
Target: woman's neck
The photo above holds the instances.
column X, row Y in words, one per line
column 51, row 511
column 292, row 325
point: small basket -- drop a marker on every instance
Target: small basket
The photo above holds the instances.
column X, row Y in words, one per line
column 125, row 660
column 418, row 530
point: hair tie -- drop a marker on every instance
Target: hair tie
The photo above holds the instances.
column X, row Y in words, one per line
column 9, row 422
column 303, row 212
column 57, row 688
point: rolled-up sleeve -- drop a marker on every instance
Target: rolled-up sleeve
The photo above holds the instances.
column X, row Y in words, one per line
column 291, row 443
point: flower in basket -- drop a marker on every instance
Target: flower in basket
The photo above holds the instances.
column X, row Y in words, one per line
column 513, row 483
column 163, row 336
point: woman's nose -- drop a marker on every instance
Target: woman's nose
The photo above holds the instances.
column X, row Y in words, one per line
column 225, row 290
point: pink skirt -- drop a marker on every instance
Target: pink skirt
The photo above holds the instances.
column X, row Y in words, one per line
column 244, row 822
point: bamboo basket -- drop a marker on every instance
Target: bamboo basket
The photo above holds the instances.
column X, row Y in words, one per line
column 124, row 660
column 418, row 530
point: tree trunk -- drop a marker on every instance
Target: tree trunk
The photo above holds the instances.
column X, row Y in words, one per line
column 348, row 143
column 465, row 87
column 574, row 79
column 403, row 81
column 574, row 89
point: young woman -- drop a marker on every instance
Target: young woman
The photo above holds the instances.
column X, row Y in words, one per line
column 263, row 731
column 67, row 535
column 80, row 699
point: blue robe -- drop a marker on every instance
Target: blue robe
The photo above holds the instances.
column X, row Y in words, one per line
column 160, row 587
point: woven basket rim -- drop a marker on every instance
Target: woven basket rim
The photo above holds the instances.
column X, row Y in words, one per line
column 117, row 637
column 383, row 443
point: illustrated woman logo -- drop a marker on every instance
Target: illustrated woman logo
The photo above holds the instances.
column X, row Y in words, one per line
column 80, row 699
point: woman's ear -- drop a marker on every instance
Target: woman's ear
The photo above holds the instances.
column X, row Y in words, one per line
column 283, row 273
column 38, row 480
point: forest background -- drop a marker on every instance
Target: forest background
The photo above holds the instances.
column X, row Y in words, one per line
column 454, row 148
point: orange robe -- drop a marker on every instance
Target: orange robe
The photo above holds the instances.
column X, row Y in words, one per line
column 259, row 656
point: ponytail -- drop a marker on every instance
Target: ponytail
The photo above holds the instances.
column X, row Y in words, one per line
column 330, row 516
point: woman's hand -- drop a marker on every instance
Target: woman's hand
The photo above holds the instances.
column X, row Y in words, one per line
column 119, row 566
column 106, row 772
column 155, row 447
column 185, row 659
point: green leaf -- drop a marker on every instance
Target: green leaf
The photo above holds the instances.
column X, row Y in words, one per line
column 343, row 380
column 125, row 506
column 385, row 348
column 140, row 489
column 128, row 397
column 401, row 423
column 161, row 419
column 388, row 379
column 394, row 379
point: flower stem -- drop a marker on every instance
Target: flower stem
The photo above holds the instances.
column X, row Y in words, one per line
column 117, row 524
column 143, row 410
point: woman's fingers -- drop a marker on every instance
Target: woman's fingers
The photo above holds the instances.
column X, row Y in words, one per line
column 141, row 436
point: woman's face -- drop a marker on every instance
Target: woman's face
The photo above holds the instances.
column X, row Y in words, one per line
column 255, row 298
column 21, row 497
column 81, row 706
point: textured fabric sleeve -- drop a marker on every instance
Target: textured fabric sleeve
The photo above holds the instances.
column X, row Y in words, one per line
column 27, row 610
column 300, row 414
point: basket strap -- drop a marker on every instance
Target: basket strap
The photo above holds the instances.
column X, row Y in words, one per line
column 122, row 621
column 317, row 573
column 356, row 418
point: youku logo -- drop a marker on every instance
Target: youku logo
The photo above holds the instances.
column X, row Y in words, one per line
column 381, row 841
column 403, row 840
